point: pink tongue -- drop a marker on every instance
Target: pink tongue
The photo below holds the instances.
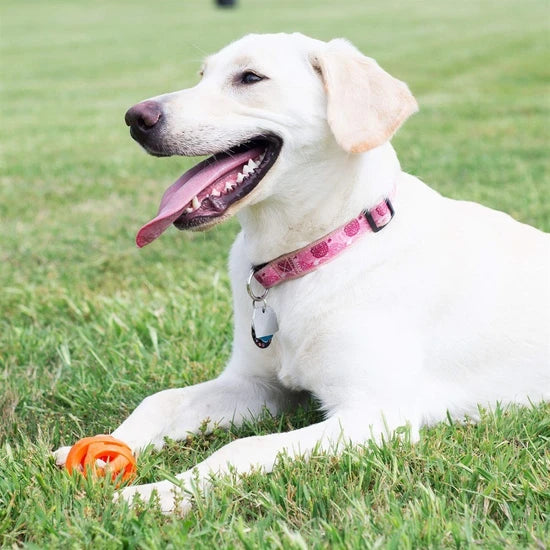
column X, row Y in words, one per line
column 179, row 194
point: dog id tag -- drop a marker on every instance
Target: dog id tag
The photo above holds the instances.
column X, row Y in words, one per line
column 264, row 324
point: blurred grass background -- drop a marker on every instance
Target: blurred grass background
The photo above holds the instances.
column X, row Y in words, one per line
column 89, row 325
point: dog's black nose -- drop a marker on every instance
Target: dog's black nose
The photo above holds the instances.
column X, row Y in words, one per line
column 143, row 116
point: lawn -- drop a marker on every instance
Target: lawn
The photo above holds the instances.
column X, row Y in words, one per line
column 90, row 325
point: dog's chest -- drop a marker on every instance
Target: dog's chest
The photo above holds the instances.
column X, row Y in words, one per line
column 309, row 314
column 283, row 355
column 321, row 317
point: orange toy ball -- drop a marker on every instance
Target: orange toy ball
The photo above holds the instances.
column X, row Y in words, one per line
column 117, row 456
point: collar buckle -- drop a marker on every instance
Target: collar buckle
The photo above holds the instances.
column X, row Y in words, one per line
column 373, row 225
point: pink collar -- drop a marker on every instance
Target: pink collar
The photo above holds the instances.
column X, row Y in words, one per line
column 300, row 262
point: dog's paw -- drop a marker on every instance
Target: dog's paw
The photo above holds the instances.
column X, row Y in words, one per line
column 60, row 456
column 171, row 498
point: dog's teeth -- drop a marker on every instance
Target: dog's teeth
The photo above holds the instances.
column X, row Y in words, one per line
column 189, row 210
column 240, row 177
column 228, row 186
column 196, row 204
column 215, row 193
column 247, row 170
column 252, row 164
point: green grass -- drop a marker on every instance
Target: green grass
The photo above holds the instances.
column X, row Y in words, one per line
column 90, row 325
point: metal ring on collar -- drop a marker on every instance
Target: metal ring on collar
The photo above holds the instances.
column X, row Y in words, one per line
column 251, row 292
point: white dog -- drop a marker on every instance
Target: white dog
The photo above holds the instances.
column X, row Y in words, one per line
column 442, row 308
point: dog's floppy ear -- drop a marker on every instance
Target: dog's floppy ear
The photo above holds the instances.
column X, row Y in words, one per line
column 365, row 104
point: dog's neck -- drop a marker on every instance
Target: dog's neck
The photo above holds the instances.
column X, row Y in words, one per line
column 315, row 198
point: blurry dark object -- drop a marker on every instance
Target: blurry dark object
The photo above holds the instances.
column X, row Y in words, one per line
column 226, row 3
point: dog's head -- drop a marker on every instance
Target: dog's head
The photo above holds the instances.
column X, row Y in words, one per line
column 263, row 104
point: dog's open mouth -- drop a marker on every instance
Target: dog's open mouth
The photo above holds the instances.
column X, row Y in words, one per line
column 205, row 192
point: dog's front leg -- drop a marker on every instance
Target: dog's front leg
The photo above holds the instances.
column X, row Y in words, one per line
column 175, row 413
column 244, row 455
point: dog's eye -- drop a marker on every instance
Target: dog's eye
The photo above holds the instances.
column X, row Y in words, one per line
column 248, row 77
